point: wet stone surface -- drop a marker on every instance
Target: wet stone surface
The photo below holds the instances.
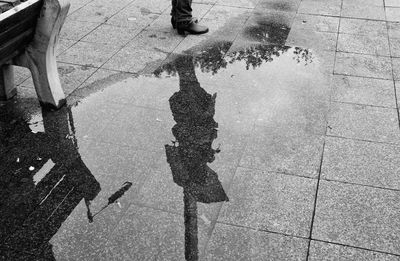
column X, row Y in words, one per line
column 273, row 137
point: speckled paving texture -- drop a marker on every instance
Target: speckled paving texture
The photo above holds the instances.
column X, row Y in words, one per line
column 273, row 137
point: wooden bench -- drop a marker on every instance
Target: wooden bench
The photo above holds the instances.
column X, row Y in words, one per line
column 28, row 36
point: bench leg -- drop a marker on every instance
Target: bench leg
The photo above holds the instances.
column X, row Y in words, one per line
column 7, row 88
column 40, row 57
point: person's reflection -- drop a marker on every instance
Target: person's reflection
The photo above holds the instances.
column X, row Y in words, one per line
column 193, row 110
column 43, row 179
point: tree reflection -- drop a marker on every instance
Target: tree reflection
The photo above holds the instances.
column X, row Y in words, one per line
column 214, row 57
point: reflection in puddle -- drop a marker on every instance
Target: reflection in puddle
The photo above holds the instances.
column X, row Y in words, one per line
column 195, row 130
column 35, row 203
column 43, row 178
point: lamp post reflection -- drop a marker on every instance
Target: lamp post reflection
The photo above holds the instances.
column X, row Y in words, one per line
column 195, row 130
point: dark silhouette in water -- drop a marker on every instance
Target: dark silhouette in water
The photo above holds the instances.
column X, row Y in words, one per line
column 34, row 204
column 195, row 130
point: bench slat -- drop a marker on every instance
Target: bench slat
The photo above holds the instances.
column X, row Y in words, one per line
column 19, row 13
column 15, row 46
column 17, row 29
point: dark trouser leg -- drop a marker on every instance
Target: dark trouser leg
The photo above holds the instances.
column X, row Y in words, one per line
column 182, row 10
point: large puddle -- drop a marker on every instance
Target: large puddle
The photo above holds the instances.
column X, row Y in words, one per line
column 145, row 167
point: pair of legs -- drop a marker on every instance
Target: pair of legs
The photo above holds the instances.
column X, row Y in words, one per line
column 182, row 18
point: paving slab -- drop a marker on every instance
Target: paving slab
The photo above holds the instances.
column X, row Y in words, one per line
column 75, row 30
column 363, row 44
column 71, row 76
column 357, row 216
column 316, row 23
column 89, row 54
column 392, row 3
column 395, row 47
column 238, row 243
column 320, row 8
column 319, row 41
column 367, row 12
column 152, row 234
column 363, row 122
column 363, row 65
column 98, row 11
column 293, row 154
column 362, row 27
column 394, row 29
column 326, row 251
column 396, row 68
column 392, row 14
column 113, row 35
column 360, row 162
column 286, row 6
column 270, row 201
column 362, row 90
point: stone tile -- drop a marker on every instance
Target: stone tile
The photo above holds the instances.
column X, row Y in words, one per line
column 364, row 44
column 392, row 14
column 63, row 45
column 321, row 251
column 149, row 47
column 397, row 84
column 320, row 8
column 149, row 234
column 228, row 13
column 151, row 6
column 161, row 192
column 88, row 117
column 71, row 76
column 133, row 17
column 109, row 251
column 393, row 3
column 367, row 12
column 162, row 23
column 396, row 68
column 319, row 41
column 88, row 54
column 75, row 30
column 287, row 6
column 238, row 3
column 133, row 60
column 363, row 65
column 278, row 150
column 77, row 237
column 365, row 163
column 364, row 2
column 20, row 74
column 395, row 47
column 363, row 91
column 270, row 201
column 237, row 243
column 112, row 35
column 98, row 11
column 364, row 122
column 394, row 29
column 140, row 128
column 206, row 2
column 358, row 216
column 363, row 27
column 269, row 27
column 316, row 23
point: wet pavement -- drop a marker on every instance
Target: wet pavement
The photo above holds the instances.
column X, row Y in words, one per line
column 274, row 137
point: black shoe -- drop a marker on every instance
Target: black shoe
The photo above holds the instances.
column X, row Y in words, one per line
column 173, row 21
column 191, row 28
